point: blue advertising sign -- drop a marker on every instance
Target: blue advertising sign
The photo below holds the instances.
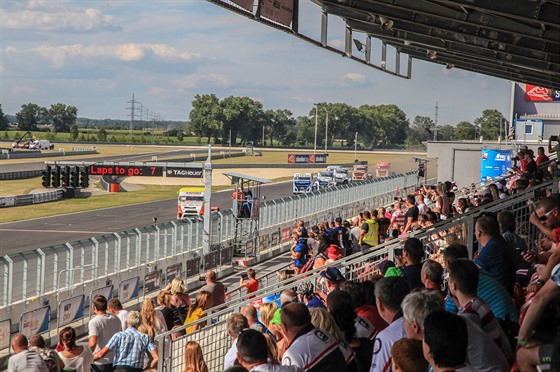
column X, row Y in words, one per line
column 494, row 164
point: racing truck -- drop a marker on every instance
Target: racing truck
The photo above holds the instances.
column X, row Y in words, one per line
column 360, row 173
column 190, row 202
column 341, row 176
column 324, row 179
column 303, row 184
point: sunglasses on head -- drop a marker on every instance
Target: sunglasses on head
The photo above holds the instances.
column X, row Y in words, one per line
column 545, row 216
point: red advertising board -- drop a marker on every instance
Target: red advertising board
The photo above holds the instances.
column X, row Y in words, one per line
column 540, row 94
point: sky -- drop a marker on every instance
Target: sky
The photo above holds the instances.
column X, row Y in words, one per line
column 96, row 54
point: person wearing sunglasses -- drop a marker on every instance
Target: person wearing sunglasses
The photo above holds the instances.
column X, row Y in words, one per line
column 546, row 218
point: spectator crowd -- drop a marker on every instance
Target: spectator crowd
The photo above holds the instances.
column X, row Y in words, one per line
column 435, row 306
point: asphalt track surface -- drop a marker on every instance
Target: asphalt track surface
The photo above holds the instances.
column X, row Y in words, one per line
column 42, row 232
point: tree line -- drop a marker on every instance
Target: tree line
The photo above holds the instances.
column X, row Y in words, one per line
column 242, row 120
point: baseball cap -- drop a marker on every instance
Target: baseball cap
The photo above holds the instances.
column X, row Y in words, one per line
column 338, row 219
column 332, row 274
column 393, row 271
column 276, row 318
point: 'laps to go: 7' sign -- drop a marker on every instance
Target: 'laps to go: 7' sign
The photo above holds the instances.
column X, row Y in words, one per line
column 128, row 170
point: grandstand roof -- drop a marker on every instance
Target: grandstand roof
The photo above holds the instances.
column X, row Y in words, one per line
column 518, row 40
column 234, row 176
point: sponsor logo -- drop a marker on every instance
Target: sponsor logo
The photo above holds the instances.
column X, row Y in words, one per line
column 321, row 335
column 500, row 157
column 484, row 156
column 376, row 346
column 538, row 93
column 176, row 172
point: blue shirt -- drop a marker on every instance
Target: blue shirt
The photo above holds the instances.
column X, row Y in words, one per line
column 497, row 258
column 495, row 296
column 130, row 347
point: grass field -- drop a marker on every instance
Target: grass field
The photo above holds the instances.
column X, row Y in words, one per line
column 400, row 162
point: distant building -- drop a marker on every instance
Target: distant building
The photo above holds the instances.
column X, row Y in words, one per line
column 536, row 113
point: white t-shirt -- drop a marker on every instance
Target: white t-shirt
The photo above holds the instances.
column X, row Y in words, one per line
column 381, row 360
column 231, row 355
column 309, row 349
column 122, row 316
column 82, row 362
column 27, row 360
column 104, row 327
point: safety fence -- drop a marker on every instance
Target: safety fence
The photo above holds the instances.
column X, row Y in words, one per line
column 56, row 283
column 214, row 338
column 19, row 200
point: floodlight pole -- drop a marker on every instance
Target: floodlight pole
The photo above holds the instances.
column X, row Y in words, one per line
column 207, row 223
column 356, row 146
column 316, row 118
column 326, row 131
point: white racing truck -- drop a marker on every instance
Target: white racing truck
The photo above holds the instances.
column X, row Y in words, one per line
column 341, row 176
column 190, row 202
column 360, row 173
column 303, row 183
column 324, row 179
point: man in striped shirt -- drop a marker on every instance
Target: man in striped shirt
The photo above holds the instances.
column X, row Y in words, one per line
column 463, row 283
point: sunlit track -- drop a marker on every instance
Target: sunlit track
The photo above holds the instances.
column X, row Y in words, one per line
column 58, row 231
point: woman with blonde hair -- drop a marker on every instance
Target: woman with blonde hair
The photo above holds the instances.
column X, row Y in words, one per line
column 267, row 311
column 197, row 310
column 194, row 360
column 180, row 300
column 152, row 319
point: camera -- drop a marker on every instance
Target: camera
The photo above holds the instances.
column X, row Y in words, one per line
column 244, row 276
column 554, row 138
column 398, row 252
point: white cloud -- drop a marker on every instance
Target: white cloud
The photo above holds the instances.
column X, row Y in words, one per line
column 194, row 81
column 483, row 84
column 354, row 78
column 58, row 55
column 40, row 16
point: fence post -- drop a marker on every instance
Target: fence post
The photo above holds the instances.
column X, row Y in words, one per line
column 40, row 272
column 8, row 277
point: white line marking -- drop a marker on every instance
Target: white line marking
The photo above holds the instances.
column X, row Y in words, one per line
column 59, row 231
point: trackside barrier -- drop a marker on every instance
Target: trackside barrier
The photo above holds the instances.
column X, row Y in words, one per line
column 36, row 278
column 43, row 197
column 215, row 340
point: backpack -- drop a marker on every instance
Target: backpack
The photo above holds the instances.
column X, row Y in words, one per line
column 48, row 358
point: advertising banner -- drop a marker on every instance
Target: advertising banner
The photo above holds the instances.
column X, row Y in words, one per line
column 494, row 163
column 70, row 310
column 306, row 158
column 125, row 170
column 5, row 328
column 152, row 281
column 106, row 292
column 280, row 11
column 540, row 94
column 173, row 271
column 183, row 172
column 128, row 289
column 193, row 265
column 35, row 321
column 245, row 4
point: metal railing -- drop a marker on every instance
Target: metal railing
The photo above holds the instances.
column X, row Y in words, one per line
column 214, row 338
column 36, row 278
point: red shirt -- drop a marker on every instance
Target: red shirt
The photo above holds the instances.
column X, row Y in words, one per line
column 252, row 285
column 370, row 313
column 541, row 159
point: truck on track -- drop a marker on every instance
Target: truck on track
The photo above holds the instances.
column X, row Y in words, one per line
column 303, row 183
column 341, row 176
column 190, row 202
column 324, row 179
column 360, row 172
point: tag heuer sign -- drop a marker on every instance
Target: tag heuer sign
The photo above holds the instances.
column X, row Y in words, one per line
column 184, row 172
